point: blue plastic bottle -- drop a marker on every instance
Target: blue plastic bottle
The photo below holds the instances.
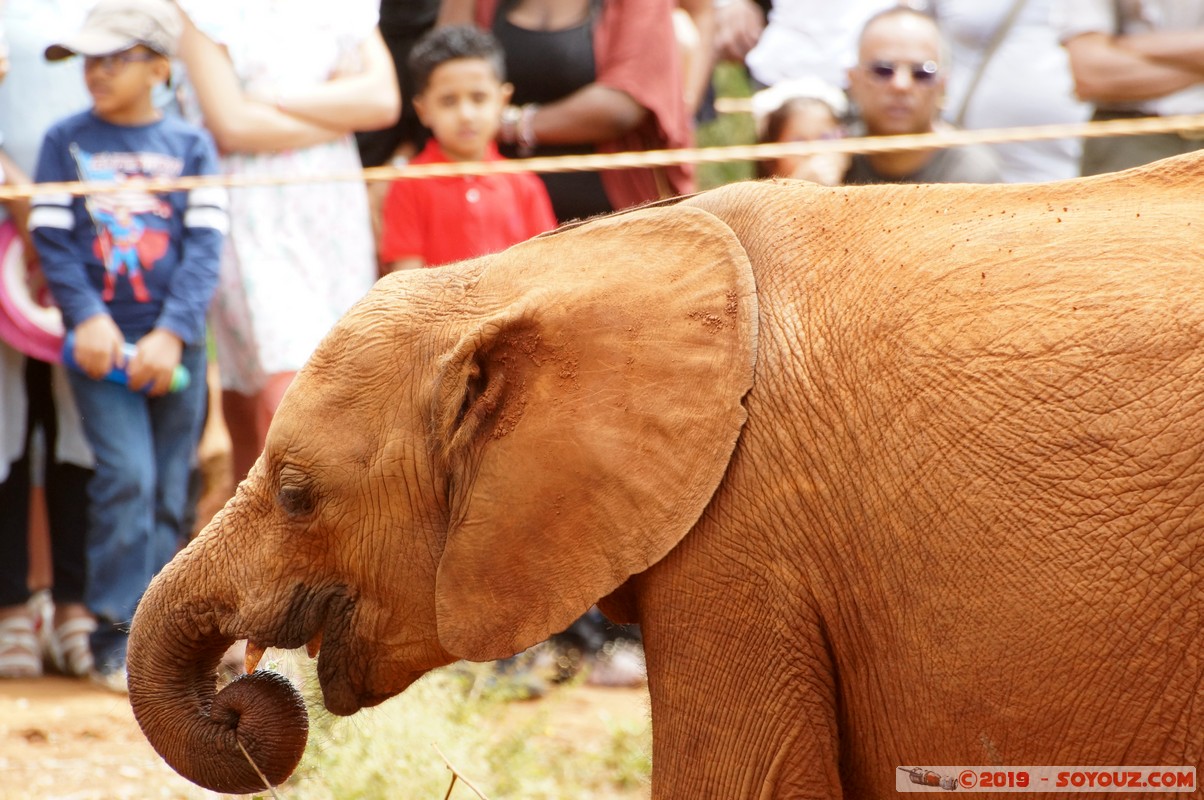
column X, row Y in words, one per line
column 179, row 379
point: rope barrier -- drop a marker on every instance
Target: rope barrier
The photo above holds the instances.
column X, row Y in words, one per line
column 1190, row 126
column 733, row 105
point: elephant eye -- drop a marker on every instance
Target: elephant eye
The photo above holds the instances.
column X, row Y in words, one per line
column 297, row 501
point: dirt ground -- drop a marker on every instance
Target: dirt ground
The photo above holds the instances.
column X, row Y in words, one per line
column 63, row 739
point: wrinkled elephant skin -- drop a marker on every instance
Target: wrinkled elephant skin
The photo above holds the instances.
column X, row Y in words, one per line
column 899, row 475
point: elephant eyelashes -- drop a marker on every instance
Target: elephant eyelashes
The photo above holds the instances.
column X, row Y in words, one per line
column 297, row 501
column 474, row 386
column 481, row 396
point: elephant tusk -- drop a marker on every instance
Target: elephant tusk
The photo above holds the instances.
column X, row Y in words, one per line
column 254, row 653
column 314, row 645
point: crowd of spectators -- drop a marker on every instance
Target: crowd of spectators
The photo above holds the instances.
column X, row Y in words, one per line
column 999, row 64
column 315, row 88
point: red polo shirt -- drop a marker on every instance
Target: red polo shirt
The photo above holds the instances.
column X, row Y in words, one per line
column 454, row 218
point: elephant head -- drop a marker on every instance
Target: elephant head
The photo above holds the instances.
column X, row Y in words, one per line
column 575, row 400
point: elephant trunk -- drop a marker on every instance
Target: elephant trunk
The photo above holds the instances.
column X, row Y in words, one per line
column 234, row 741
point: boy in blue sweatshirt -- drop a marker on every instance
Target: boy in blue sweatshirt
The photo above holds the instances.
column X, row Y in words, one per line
column 135, row 267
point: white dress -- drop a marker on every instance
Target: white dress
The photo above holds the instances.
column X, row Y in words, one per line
column 298, row 255
column 1026, row 82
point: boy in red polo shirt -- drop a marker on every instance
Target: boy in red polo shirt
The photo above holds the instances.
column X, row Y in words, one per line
column 459, row 72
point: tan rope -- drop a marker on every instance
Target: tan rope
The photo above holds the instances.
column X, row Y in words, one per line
column 734, row 105
column 1189, row 126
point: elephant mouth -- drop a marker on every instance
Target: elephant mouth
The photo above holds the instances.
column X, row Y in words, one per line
column 350, row 679
column 329, row 619
column 255, row 652
column 344, row 691
column 338, row 694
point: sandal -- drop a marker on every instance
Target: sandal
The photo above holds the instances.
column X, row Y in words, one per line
column 19, row 657
column 69, row 649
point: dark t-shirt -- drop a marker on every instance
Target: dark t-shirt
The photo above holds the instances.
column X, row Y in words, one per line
column 544, row 67
column 967, row 164
column 407, row 16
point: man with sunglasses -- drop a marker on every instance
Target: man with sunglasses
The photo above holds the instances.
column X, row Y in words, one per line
column 897, row 85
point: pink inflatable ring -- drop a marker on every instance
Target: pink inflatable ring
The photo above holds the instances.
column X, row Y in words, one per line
column 29, row 320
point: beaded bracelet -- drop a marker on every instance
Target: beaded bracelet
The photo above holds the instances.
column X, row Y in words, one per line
column 526, row 130
column 508, row 132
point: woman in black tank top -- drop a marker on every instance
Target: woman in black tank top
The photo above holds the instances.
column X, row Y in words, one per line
column 546, row 66
column 591, row 76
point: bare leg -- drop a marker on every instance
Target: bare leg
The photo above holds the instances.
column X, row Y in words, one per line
column 239, row 412
column 269, row 401
column 41, row 570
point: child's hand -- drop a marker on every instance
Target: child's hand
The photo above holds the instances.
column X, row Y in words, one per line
column 98, row 343
column 823, row 168
column 157, row 358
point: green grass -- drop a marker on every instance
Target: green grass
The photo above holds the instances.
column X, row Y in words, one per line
column 505, row 748
column 730, row 80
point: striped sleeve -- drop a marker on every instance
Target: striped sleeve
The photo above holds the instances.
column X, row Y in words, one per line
column 52, row 226
column 51, row 211
column 208, row 207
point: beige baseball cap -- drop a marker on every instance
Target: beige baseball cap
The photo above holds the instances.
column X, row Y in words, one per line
column 116, row 25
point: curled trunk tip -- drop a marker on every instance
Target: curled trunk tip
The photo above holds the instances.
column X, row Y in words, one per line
column 251, row 736
column 210, row 737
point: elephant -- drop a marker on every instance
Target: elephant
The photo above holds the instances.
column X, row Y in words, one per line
column 887, row 475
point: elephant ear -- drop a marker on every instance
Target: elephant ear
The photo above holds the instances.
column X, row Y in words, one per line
column 587, row 421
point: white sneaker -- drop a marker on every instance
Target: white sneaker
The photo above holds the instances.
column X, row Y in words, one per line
column 19, row 656
column 68, row 646
column 114, row 681
column 619, row 663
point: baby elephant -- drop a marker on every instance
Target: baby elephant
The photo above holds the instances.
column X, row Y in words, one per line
column 889, row 476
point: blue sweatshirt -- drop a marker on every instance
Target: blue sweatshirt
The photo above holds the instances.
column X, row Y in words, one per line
column 148, row 260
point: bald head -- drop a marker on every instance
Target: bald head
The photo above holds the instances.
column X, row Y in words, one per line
column 897, row 82
column 900, row 20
